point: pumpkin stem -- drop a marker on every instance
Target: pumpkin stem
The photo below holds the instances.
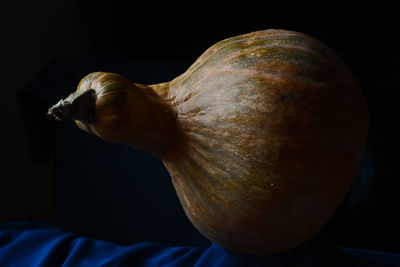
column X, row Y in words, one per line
column 79, row 105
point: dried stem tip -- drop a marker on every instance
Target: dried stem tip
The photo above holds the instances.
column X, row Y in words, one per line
column 79, row 105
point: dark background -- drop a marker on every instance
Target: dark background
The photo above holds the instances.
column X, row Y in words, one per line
column 54, row 173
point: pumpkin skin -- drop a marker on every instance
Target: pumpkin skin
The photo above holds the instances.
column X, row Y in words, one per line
column 262, row 136
column 133, row 114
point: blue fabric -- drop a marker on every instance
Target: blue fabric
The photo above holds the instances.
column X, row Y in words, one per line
column 28, row 244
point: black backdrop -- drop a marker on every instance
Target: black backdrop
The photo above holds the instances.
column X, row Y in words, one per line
column 363, row 35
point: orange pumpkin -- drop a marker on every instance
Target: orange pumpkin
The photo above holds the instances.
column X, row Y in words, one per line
column 262, row 135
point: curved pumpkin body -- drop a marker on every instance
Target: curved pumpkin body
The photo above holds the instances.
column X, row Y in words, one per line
column 264, row 137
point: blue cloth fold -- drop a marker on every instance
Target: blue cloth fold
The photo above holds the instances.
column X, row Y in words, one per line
column 41, row 245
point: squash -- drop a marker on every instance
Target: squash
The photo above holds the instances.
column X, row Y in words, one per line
column 262, row 135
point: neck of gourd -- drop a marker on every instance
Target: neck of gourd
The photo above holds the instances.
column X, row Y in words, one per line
column 136, row 115
column 154, row 121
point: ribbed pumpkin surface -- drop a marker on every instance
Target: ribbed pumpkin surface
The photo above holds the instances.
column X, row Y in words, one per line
column 274, row 126
column 262, row 135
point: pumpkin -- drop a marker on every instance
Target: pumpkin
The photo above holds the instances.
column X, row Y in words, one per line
column 262, row 135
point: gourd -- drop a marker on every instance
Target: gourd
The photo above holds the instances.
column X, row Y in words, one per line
column 262, row 135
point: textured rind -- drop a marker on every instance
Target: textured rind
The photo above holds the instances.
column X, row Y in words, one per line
column 262, row 136
column 274, row 127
